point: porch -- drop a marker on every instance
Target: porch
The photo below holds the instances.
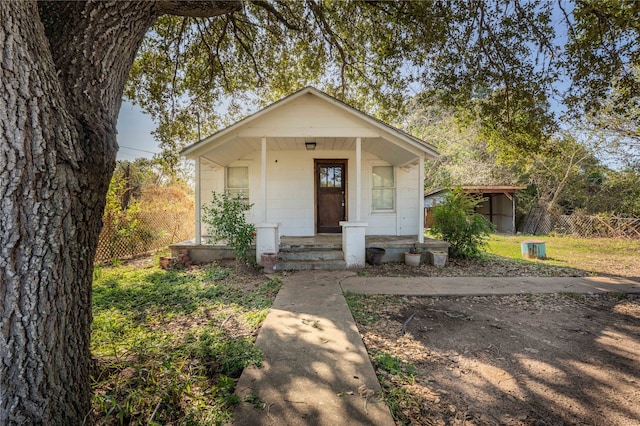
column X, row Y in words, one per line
column 322, row 251
column 309, row 163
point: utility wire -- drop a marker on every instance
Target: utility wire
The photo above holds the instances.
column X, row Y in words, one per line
column 136, row 149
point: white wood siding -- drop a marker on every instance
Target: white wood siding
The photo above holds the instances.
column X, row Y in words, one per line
column 407, row 195
column 291, row 197
column 297, row 117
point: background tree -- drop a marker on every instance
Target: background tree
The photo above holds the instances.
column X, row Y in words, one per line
column 465, row 158
column 617, row 124
column 597, row 189
column 602, row 58
column 144, row 211
column 552, row 169
column 619, row 193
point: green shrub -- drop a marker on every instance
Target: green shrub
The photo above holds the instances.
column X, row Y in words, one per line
column 225, row 217
column 456, row 222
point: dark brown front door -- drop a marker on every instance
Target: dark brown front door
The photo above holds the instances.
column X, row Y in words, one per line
column 331, row 178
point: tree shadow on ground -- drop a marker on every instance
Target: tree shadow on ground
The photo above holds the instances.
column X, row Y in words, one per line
column 550, row 359
column 313, row 373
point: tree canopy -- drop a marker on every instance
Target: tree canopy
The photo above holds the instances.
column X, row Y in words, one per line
column 506, row 62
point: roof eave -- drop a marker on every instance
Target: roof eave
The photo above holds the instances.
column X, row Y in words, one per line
column 423, row 146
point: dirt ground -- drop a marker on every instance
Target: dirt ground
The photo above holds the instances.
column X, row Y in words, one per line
column 562, row 359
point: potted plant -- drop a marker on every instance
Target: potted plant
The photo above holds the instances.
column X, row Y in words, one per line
column 413, row 257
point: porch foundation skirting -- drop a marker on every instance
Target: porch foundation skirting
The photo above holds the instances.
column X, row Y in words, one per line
column 204, row 253
column 267, row 239
column 353, row 243
column 323, row 251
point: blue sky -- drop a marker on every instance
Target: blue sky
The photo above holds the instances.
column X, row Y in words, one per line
column 134, row 133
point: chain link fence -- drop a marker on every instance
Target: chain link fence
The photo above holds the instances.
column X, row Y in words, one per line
column 151, row 227
column 586, row 226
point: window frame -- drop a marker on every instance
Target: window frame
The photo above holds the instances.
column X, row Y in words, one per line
column 392, row 188
column 244, row 191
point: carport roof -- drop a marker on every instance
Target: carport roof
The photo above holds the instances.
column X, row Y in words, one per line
column 480, row 189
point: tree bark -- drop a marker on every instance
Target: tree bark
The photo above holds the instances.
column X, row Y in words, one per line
column 58, row 152
column 63, row 67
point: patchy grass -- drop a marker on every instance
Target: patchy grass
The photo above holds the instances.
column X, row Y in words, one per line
column 169, row 345
column 598, row 256
column 365, row 313
column 395, row 376
column 394, row 366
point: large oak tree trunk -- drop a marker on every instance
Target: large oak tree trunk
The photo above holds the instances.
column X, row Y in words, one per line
column 59, row 108
column 63, row 67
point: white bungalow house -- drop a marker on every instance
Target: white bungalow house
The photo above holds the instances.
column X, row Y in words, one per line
column 311, row 166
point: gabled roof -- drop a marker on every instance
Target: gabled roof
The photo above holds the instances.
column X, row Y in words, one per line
column 374, row 122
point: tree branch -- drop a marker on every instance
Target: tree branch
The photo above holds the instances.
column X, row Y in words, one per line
column 331, row 38
column 176, row 62
column 218, row 55
column 198, row 8
column 237, row 31
column 273, row 11
column 567, row 20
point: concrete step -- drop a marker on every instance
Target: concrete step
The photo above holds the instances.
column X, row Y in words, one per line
column 307, row 265
column 310, row 247
column 288, row 255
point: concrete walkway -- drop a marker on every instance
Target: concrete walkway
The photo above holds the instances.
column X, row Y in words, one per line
column 482, row 286
column 315, row 361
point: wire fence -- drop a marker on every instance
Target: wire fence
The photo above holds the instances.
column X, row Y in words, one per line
column 144, row 232
column 586, row 226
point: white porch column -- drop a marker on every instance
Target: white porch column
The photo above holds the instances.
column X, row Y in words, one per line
column 353, row 243
column 264, row 179
column 267, row 239
column 198, row 205
column 421, row 199
column 358, row 177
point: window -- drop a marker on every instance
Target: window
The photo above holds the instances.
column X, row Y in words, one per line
column 238, row 182
column 330, row 176
column 384, row 188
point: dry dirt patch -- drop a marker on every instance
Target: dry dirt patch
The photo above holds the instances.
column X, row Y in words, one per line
column 512, row 360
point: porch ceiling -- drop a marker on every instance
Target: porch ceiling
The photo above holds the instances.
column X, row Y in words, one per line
column 225, row 153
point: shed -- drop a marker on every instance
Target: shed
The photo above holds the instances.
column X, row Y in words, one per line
column 499, row 208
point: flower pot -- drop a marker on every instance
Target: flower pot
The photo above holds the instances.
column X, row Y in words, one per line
column 374, row 255
column 269, row 261
column 165, row 262
column 412, row 259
